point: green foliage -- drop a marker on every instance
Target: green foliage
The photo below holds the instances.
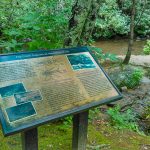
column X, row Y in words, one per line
column 93, row 114
column 128, row 77
column 114, row 19
column 33, row 25
column 30, row 25
column 11, row 45
column 146, row 49
column 66, row 123
column 52, row 138
column 142, row 16
column 135, row 78
column 142, row 22
column 111, row 20
column 98, row 52
column 124, row 120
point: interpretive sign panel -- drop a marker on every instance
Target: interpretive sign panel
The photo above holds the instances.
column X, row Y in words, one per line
column 40, row 86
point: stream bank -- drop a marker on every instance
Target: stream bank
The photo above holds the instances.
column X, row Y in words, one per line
column 138, row 98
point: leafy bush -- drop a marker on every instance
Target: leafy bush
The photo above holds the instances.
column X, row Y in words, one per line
column 65, row 123
column 136, row 76
column 98, row 52
column 30, row 25
column 146, row 49
column 114, row 19
column 127, row 76
column 124, row 120
column 110, row 20
column 143, row 26
column 93, row 114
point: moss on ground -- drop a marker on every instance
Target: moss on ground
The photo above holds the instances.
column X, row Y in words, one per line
column 57, row 137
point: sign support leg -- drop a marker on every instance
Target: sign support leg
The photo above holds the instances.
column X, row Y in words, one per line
column 30, row 139
column 80, row 126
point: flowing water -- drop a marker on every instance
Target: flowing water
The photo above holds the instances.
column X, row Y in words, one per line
column 120, row 46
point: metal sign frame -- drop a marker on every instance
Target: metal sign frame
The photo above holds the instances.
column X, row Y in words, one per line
column 76, row 110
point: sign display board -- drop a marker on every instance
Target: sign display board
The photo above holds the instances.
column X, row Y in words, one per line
column 37, row 87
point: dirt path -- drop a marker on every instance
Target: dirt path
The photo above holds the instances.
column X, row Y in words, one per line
column 139, row 60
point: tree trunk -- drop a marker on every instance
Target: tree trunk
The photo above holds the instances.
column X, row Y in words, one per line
column 131, row 40
column 90, row 23
column 82, row 22
column 119, row 2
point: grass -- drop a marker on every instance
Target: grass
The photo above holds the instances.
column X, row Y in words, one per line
column 54, row 137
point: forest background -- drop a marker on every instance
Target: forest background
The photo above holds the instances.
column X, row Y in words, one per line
column 31, row 25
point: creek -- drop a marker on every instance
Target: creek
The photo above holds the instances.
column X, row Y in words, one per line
column 120, row 46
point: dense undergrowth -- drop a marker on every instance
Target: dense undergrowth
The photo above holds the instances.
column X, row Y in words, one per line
column 33, row 25
column 123, row 120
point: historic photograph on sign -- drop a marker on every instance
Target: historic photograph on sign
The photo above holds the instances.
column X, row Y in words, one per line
column 11, row 90
column 81, row 61
column 28, row 96
column 20, row 111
